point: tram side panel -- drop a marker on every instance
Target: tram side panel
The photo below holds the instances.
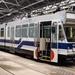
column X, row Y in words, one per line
column 24, row 42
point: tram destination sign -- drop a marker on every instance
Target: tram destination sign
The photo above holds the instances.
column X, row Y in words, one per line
column 70, row 15
column 70, row 21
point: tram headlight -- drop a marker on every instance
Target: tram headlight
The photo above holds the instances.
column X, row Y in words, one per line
column 73, row 49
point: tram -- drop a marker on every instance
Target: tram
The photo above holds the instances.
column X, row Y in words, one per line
column 47, row 37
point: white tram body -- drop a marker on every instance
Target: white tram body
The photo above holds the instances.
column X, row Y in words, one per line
column 47, row 37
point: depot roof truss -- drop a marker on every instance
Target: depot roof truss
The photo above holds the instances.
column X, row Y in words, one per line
column 10, row 9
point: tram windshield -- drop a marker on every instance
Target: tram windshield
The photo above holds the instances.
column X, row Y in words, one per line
column 70, row 33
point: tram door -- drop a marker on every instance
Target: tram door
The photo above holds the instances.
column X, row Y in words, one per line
column 45, row 40
column 12, row 40
column 54, row 41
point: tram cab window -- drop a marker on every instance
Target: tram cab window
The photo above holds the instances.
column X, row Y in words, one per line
column 61, row 34
column 70, row 33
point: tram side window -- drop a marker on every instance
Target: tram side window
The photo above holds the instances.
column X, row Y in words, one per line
column 41, row 31
column 36, row 31
column 12, row 32
column 24, row 30
column 18, row 31
column 54, row 33
column 61, row 34
column 8, row 33
column 2, row 32
column 45, row 31
column 31, row 30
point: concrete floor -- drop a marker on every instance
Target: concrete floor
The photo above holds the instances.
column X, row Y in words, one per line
column 15, row 65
